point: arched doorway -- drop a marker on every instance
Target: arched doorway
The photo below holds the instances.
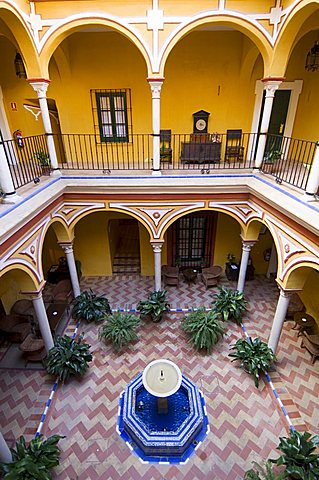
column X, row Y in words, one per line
column 126, row 245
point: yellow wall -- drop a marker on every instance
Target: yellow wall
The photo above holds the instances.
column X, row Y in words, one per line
column 91, row 245
column 146, row 252
column 98, row 61
column 203, row 72
column 9, row 291
column 257, row 253
column 307, row 116
column 51, row 251
column 308, row 297
column 227, row 239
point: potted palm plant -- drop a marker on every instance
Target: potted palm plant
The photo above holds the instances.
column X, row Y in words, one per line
column 119, row 329
column 270, row 159
column 204, row 328
column 34, row 461
column 68, row 357
column 299, row 455
column 230, row 304
column 254, row 355
column 90, row 307
column 154, row 306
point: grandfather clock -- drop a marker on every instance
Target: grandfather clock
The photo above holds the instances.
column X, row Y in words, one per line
column 200, row 121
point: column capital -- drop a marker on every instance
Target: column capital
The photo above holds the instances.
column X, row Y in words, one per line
column 271, row 84
column 156, row 85
column 157, row 245
column 67, row 246
column 34, row 295
column 40, row 85
column 248, row 244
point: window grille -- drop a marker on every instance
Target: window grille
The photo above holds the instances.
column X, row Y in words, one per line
column 112, row 114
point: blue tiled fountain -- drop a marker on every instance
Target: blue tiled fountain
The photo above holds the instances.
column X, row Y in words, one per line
column 162, row 415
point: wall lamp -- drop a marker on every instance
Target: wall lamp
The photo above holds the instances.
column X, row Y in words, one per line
column 312, row 60
column 19, row 66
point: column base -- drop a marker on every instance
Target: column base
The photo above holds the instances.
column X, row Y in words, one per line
column 156, row 173
column 11, row 198
column 310, row 197
column 56, row 172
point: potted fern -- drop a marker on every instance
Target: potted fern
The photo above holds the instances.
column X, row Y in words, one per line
column 90, row 307
column 154, row 306
column 68, row 357
column 254, row 355
column 119, row 329
column 34, row 461
column 230, row 304
column 43, row 160
column 299, row 455
column 204, row 327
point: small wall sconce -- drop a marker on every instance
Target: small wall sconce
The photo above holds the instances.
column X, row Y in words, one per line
column 312, row 60
column 19, row 66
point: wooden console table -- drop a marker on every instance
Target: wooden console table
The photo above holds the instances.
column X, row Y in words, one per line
column 200, row 149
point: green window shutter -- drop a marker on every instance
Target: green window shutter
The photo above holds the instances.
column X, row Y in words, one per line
column 112, row 116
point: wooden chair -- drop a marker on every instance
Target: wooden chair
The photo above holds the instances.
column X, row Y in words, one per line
column 170, row 275
column 210, row 275
column 62, row 292
column 234, row 151
column 311, row 343
column 166, row 151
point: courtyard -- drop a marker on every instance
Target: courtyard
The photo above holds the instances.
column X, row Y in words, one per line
column 245, row 422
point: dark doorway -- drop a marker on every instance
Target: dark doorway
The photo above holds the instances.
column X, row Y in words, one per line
column 193, row 239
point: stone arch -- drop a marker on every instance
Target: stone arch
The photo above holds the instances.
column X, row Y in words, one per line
column 243, row 24
column 290, row 34
column 296, row 276
column 21, row 37
column 57, row 33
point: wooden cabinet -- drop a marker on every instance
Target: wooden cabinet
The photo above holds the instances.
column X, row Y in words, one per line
column 200, row 150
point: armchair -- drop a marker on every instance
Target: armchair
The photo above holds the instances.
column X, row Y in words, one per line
column 15, row 327
column 170, row 275
column 210, row 275
column 62, row 292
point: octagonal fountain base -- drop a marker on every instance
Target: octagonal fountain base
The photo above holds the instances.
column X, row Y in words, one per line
column 162, row 435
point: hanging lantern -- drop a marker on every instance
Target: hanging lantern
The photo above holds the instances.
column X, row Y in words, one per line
column 312, row 60
column 19, row 66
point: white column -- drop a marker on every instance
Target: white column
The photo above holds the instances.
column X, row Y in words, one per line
column 279, row 318
column 243, row 264
column 43, row 321
column 270, row 87
column 68, row 250
column 157, row 249
column 6, row 182
column 41, row 88
column 5, row 454
column 313, row 180
column 156, row 85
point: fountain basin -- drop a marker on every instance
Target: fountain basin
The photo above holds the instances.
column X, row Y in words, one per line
column 156, row 437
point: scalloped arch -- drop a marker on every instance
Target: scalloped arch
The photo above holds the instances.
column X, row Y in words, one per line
column 15, row 21
column 248, row 28
column 296, row 276
column 27, row 279
column 55, row 35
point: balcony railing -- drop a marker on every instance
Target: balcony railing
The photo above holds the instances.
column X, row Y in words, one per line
column 287, row 159
column 27, row 160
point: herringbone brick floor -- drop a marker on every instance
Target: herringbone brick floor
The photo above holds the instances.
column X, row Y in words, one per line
column 245, row 422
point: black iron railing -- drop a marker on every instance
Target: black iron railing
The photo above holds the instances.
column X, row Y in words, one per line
column 87, row 152
column 288, row 159
column 27, row 159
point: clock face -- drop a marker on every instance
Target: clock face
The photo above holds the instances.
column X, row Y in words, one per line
column 200, row 124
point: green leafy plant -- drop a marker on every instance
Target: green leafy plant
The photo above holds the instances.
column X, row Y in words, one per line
column 154, row 306
column 254, row 355
column 272, row 155
column 42, row 158
column 90, row 307
column 230, row 303
column 204, row 327
column 33, row 462
column 264, row 472
column 68, row 357
column 119, row 329
column 298, row 455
